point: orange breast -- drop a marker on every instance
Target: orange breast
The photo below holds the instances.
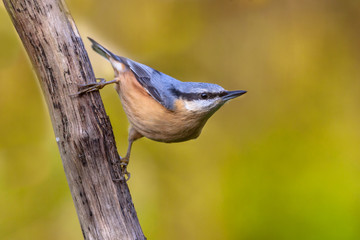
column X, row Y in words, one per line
column 153, row 120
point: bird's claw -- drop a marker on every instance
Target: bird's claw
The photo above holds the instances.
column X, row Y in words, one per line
column 123, row 164
column 124, row 174
column 85, row 88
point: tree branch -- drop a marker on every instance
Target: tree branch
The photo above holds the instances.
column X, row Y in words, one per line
column 82, row 128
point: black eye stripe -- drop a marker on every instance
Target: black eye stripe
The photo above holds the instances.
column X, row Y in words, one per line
column 222, row 94
column 196, row 96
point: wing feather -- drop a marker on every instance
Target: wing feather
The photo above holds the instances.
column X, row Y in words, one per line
column 157, row 84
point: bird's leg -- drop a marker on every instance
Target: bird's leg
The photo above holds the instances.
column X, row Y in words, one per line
column 133, row 135
column 85, row 88
column 125, row 161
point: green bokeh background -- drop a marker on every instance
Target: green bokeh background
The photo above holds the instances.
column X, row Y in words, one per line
column 281, row 162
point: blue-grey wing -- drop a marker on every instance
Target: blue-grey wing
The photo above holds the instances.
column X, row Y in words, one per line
column 157, row 84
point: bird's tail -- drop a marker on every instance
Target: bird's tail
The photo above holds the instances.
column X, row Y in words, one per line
column 103, row 51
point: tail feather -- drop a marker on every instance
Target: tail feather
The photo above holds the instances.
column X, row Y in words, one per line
column 103, row 51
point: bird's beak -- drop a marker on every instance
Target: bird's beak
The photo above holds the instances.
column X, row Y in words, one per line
column 233, row 94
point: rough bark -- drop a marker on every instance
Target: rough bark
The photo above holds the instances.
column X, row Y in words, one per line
column 82, row 128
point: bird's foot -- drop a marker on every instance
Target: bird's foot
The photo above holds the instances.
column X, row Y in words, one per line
column 124, row 174
column 85, row 88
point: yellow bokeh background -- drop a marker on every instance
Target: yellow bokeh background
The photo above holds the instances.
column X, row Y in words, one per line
column 281, row 162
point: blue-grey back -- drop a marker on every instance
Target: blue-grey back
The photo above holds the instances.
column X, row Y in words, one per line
column 162, row 87
column 157, row 84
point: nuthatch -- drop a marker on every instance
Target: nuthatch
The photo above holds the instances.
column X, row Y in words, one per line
column 158, row 106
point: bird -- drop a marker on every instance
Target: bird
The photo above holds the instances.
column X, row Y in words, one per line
column 159, row 107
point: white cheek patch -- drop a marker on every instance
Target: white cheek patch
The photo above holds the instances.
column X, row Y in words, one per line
column 197, row 105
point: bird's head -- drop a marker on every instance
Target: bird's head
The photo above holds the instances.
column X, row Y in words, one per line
column 203, row 97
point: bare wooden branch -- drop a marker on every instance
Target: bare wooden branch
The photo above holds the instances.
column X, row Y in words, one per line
column 82, row 128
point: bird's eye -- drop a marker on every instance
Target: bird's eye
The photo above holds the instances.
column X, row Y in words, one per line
column 204, row 96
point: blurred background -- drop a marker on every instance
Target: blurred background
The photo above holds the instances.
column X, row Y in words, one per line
column 281, row 162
